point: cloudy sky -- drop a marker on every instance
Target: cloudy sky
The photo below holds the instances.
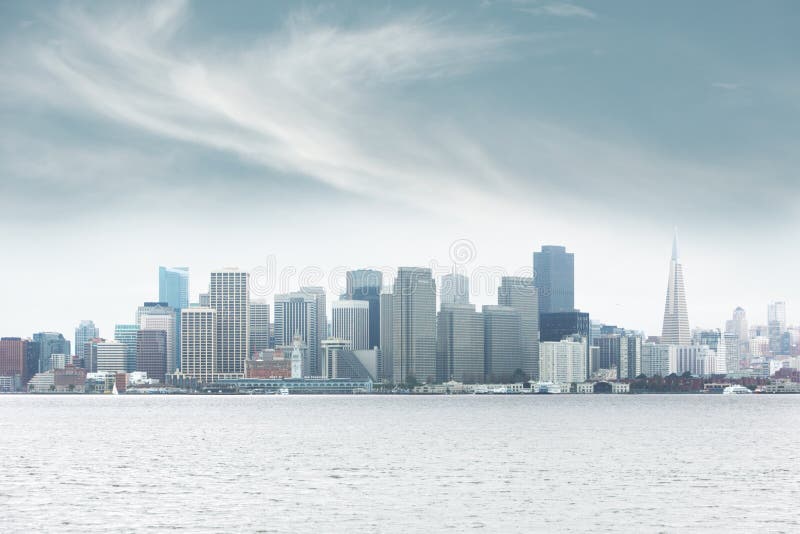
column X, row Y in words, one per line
column 351, row 134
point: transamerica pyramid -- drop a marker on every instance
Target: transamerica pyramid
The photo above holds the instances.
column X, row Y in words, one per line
column 676, row 318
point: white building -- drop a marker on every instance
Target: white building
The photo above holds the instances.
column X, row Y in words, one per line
column 198, row 343
column 296, row 314
column 229, row 295
column 656, row 358
column 330, row 348
column 698, row 360
column 562, row 362
column 112, row 356
column 350, row 321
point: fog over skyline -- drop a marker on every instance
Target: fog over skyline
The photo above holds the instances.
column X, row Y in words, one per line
column 343, row 135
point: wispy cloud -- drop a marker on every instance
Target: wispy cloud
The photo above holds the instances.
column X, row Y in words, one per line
column 556, row 9
column 726, row 86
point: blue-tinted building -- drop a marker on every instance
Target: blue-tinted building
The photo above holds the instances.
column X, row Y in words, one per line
column 554, row 278
column 173, row 288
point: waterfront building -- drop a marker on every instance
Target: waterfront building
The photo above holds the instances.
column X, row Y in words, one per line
column 519, row 292
column 229, row 295
column 259, row 326
column 698, row 360
column 160, row 316
column 365, row 285
column 563, row 362
column 320, row 303
column 459, row 347
column 85, row 331
column 12, row 357
column 554, row 278
column 198, row 341
column 414, row 326
column 151, row 353
column 330, row 356
column 112, row 356
column 296, row 315
column 675, row 329
column 50, row 343
column 563, row 325
column 127, row 335
column 350, row 321
column 732, row 343
column 656, row 358
column 502, row 343
column 324, row 386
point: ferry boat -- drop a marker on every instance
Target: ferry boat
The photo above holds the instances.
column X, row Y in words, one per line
column 736, row 389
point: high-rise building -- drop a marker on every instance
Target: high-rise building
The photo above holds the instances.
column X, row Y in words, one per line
column 198, row 340
column 331, row 347
column 455, row 289
column 151, row 353
column 698, row 360
column 112, row 356
column 414, row 326
column 733, row 353
column 738, row 325
column 50, row 343
column 12, row 357
column 296, row 314
column 563, row 362
column 365, row 285
column 656, row 358
column 173, row 288
column 322, row 313
column 85, row 331
column 519, row 292
column 386, row 369
column 459, row 344
column 127, row 335
column 259, row 326
column 502, row 334
column 90, row 354
column 554, row 277
column 350, row 321
column 676, row 317
column 563, row 325
column 229, row 295
column 160, row 316
column 776, row 325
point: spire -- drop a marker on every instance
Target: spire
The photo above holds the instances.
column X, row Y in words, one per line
column 675, row 245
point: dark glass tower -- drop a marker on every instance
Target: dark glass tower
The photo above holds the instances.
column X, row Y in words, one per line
column 554, row 278
column 365, row 284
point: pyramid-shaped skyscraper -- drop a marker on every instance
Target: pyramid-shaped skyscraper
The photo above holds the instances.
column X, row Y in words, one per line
column 676, row 318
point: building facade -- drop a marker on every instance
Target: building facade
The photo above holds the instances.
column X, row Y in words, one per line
column 365, row 285
column 675, row 329
column 259, row 326
column 554, row 277
column 502, row 343
column 151, row 353
column 414, row 326
column 520, row 293
column 350, row 321
column 199, row 343
column 459, row 344
column 229, row 295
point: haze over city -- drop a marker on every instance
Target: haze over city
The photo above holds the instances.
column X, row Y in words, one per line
column 343, row 135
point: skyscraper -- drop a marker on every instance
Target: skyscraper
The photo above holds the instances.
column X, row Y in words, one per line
column 322, row 314
column 173, row 288
column 554, row 277
column 387, row 335
column 112, row 356
column 12, row 357
column 676, row 317
column 562, row 325
column 151, row 353
column 85, row 331
column 365, row 284
column 296, row 314
column 414, row 326
column 127, row 335
column 455, row 289
column 50, row 343
column 198, row 339
column 159, row 316
column 259, row 326
column 563, row 362
column 502, row 333
column 459, row 344
column 776, row 325
column 738, row 325
column 519, row 292
column 350, row 321
column 229, row 295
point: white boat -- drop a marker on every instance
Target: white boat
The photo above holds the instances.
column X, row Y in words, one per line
column 736, row 389
column 283, row 391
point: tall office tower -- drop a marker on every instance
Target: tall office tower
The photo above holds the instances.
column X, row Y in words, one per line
column 151, row 353
column 563, row 362
column 611, row 351
column 173, row 288
column 455, row 289
column 127, row 335
column 697, row 360
column 160, row 316
column 519, row 293
column 387, row 335
column 296, row 314
column 365, row 284
column 733, row 348
column 112, row 356
column 675, row 330
column 459, row 344
column 558, row 326
column 90, row 354
column 414, row 326
column 656, row 358
column 738, row 325
column 631, row 366
column 350, row 321
column 229, row 294
column 12, row 357
column 322, row 314
column 85, row 331
column 259, row 326
column 502, row 345
column 199, row 342
column 203, row 300
column 554, row 276
column 331, row 347
column 50, row 343
column 776, row 325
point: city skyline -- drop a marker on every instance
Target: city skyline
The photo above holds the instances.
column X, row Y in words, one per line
column 527, row 121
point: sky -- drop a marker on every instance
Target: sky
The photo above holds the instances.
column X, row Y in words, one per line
column 303, row 139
